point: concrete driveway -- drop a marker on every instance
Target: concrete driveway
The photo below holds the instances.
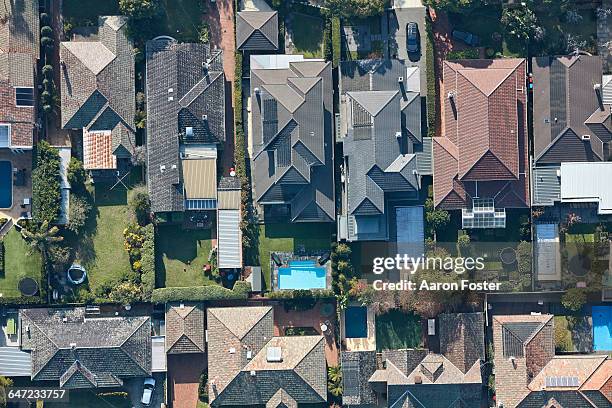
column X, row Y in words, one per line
column 398, row 18
column 135, row 387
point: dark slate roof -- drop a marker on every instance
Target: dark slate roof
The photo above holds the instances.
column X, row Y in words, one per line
column 381, row 115
column 19, row 31
column 185, row 328
column 292, row 139
column 357, row 368
column 567, row 106
column 85, row 353
column 462, row 338
column 435, row 396
column 559, row 399
column 185, row 88
column 97, row 79
column 257, row 30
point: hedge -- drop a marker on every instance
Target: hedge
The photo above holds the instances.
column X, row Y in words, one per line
column 242, row 287
column 1, row 257
column 301, row 294
column 147, row 261
column 46, row 196
column 431, row 81
column 336, row 41
column 470, row 53
column 196, row 294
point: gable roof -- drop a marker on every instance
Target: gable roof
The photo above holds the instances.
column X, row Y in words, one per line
column 462, row 338
column 240, row 340
column 185, row 89
column 98, row 75
column 484, row 127
column 292, row 139
column 84, row 353
column 567, row 106
column 185, row 328
column 257, row 30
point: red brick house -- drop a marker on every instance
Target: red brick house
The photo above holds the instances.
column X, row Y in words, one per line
column 480, row 162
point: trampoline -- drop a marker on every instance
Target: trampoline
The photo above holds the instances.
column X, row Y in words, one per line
column 28, row 287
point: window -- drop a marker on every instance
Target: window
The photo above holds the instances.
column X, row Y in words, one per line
column 5, row 135
column 24, row 96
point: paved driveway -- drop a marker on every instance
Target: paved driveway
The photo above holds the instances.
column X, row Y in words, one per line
column 398, row 18
column 184, row 379
column 135, row 387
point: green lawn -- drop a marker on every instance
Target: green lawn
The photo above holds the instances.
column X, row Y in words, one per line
column 307, row 35
column 19, row 262
column 181, row 255
column 398, row 330
column 89, row 9
column 289, row 238
column 90, row 399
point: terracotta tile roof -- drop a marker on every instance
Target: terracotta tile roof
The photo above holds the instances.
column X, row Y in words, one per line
column 581, row 367
column 484, row 124
column 98, row 151
column 185, row 328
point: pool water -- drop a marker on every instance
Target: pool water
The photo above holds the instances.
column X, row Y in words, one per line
column 6, row 184
column 356, row 322
column 302, row 275
column 602, row 328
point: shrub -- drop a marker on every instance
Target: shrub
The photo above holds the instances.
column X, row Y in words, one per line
column 140, row 9
column 563, row 339
column 78, row 213
column 431, row 81
column 436, row 219
column 125, row 293
column 574, row 299
column 141, row 205
column 195, row 294
column 147, row 262
column 47, row 71
column 336, row 41
column 46, row 31
column 204, row 33
column 46, row 41
column 46, row 196
column 76, row 175
column 242, row 287
column 203, row 387
column 60, row 255
column 470, row 53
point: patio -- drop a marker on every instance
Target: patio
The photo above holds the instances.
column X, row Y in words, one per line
column 21, row 162
column 317, row 318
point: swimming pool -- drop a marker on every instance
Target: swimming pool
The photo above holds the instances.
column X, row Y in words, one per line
column 356, row 322
column 602, row 328
column 6, row 184
column 302, row 275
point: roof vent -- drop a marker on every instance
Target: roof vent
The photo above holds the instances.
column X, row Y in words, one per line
column 274, row 354
column 170, row 90
column 418, row 379
column 204, row 117
column 72, row 346
column 585, row 137
column 232, row 350
column 400, row 79
column 451, row 95
column 257, row 91
column 65, row 319
column 27, row 328
column 162, row 168
column 205, row 64
column 182, row 306
column 189, row 131
column 398, row 135
column 170, row 98
column 249, row 354
column 173, row 167
column 252, row 373
column 558, row 172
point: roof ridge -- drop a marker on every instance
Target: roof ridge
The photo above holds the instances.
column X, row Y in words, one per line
column 602, row 362
column 128, row 338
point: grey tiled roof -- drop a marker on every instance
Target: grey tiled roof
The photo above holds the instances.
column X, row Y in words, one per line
column 185, row 88
column 462, row 338
column 19, row 27
column 84, row 353
column 380, row 116
column 567, row 106
column 257, row 30
column 185, row 328
column 292, row 139
column 97, row 78
column 239, row 339
column 357, row 368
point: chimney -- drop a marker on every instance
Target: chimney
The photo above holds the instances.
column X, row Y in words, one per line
column 418, row 379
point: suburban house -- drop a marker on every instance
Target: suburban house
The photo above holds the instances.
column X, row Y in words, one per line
column 528, row 374
column 78, row 351
column 572, row 132
column 97, row 88
column 480, row 161
column 185, row 328
column 257, row 30
column 385, row 155
column 418, row 378
column 292, row 140
column 185, row 93
column 19, row 51
column 249, row 366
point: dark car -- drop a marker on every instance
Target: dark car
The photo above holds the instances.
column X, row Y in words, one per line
column 468, row 38
column 413, row 38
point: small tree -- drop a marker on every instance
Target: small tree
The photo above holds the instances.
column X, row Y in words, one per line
column 574, row 299
column 334, row 381
column 436, row 219
column 78, row 213
column 140, row 9
column 125, row 293
column 47, row 71
column 46, row 31
column 76, row 175
column 141, row 205
column 42, row 238
column 522, row 23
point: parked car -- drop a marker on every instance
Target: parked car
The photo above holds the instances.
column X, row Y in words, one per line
column 468, row 38
column 147, row 393
column 413, row 38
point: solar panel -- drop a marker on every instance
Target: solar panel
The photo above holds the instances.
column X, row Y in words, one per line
column 350, row 378
column 561, row 382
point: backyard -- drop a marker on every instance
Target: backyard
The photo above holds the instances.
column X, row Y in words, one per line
column 398, row 330
column 19, row 262
column 181, row 256
column 574, row 334
column 291, row 238
column 306, row 35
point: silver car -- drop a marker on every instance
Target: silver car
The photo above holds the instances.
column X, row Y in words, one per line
column 147, row 393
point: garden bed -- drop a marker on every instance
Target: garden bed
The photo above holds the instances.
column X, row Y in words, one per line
column 398, row 330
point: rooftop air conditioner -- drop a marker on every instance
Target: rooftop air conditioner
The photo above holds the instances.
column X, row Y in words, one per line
column 204, row 117
column 585, row 137
column 400, row 79
column 597, row 87
column 232, row 350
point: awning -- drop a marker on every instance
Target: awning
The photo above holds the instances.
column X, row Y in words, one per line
column 14, row 362
column 229, row 239
column 200, row 178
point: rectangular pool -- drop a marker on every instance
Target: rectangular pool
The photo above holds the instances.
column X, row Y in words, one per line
column 356, row 322
column 6, row 184
column 602, row 328
column 302, row 275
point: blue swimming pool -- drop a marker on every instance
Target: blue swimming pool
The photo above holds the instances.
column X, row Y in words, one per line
column 302, row 275
column 602, row 328
column 356, row 322
column 6, row 184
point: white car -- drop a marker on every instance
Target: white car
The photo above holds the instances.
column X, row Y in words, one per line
column 147, row 393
